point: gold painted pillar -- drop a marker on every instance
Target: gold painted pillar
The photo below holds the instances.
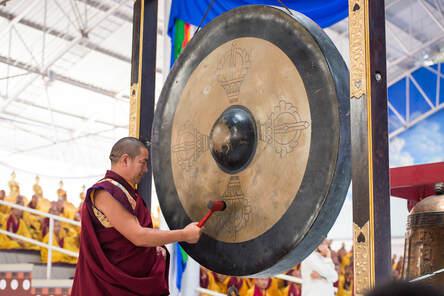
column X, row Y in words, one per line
column 369, row 137
column 143, row 78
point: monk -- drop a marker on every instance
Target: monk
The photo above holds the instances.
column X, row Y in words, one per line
column 16, row 224
column 3, row 209
column 4, row 213
column 218, row 282
column 345, row 282
column 120, row 253
column 54, row 210
column 262, row 287
column 293, row 289
column 239, row 284
column 33, row 222
column 61, row 240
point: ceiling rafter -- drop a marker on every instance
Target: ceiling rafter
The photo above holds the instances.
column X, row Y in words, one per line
column 116, row 95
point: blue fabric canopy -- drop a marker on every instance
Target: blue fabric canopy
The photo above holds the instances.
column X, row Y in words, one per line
column 323, row 12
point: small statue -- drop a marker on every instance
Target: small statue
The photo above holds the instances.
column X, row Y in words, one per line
column 83, row 194
column 61, row 193
column 14, row 188
column 37, row 188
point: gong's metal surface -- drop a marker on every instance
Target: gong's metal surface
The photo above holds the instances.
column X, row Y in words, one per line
column 254, row 112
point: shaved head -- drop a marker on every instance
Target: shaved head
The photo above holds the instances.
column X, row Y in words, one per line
column 128, row 145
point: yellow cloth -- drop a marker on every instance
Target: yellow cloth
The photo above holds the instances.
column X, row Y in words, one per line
column 4, row 210
column 341, row 290
column 69, row 243
column 43, row 205
column 285, row 290
column 268, row 292
column 34, row 225
column 244, row 288
column 69, row 210
column 345, row 261
column 275, row 286
column 70, row 229
column 9, row 243
column 217, row 286
column 3, row 238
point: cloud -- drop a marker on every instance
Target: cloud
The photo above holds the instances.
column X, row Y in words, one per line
column 397, row 154
column 425, row 142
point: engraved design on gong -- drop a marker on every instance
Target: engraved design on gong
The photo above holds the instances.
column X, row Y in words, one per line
column 237, row 213
column 189, row 145
column 237, row 127
column 283, row 128
column 232, row 69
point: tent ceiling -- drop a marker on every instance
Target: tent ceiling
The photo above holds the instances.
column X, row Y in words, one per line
column 68, row 63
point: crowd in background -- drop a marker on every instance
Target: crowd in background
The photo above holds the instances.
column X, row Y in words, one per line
column 36, row 227
column 66, row 236
column 342, row 285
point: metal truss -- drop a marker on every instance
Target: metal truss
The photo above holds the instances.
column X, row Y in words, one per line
column 83, row 23
column 415, row 34
column 435, row 104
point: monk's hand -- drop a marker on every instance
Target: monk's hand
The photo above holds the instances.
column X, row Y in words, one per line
column 161, row 251
column 191, row 233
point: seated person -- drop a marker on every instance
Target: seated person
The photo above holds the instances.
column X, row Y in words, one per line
column 263, row 287
column 239, row 284
column 32, row 221
column 218, row 282
column 54, row 210
column 292, row 288
column 16, row 224
column 61, row 240
column 3, row 209
column 71, row 229
column 4, row 214
column 345, row 283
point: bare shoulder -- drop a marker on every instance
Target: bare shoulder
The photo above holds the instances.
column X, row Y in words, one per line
column 101, row 195
column 104, row 201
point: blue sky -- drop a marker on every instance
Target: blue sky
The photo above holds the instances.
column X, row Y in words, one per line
column 424, row 143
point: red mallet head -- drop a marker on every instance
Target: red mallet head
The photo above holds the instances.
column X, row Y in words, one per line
column 217, row 205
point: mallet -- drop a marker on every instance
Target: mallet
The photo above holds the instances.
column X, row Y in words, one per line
column 213, row 206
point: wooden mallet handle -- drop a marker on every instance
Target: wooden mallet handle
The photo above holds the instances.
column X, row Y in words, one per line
column 213, row 206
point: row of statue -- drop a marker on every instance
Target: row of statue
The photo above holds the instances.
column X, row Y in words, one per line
column 36, row 227
column 33, row 226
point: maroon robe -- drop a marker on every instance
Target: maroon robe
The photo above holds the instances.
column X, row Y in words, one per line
column 258, row 292
column 12, row 224
column 108, row 263
column 293, row 290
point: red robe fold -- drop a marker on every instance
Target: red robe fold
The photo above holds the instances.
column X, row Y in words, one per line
column 109, row 264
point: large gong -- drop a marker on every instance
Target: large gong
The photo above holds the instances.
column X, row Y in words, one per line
column 254, row 112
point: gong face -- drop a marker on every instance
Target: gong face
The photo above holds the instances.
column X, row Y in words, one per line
column 233, row 148
column 259, row 119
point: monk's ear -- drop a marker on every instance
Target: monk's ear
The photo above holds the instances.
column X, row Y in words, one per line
column 124, row 159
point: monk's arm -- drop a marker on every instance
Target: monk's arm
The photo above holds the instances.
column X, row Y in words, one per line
column 129, row 226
